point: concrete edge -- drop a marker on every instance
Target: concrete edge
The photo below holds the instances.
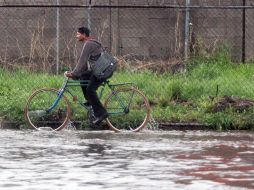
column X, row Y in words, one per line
column 185, row 126
column 161, row 126
column 10, row 125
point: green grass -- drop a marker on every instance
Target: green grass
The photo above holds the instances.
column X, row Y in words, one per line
column 183, row 97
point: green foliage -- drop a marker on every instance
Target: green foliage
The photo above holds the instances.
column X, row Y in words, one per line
column 186, row 97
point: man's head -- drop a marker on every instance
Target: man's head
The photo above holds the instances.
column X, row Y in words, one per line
column 83, row 33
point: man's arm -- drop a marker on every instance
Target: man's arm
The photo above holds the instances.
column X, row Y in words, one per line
column 82, row 62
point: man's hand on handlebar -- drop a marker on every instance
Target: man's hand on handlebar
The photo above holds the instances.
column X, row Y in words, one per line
column 69, row 74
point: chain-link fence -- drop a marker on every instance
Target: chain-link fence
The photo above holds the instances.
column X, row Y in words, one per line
column 167, row 38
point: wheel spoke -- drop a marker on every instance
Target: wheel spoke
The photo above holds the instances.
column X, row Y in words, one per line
column 44, row 109
column 131, row 117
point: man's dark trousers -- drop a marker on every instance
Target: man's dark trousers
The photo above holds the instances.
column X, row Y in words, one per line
column 90, row 93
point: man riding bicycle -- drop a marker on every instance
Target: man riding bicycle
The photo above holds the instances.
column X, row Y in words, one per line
column 91, row 51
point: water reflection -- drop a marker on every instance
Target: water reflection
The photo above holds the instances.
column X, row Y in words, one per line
column 224, row 164
column 108, row 160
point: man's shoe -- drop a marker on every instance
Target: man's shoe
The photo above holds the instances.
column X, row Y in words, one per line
column 100, row 118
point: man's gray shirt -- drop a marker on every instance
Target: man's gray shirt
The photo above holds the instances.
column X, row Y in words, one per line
column 90, row 48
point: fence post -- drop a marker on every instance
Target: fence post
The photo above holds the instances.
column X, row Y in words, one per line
column 57, row 38
column 114, row 29
column 186, row 30
column 89, row 15
column 243, row 31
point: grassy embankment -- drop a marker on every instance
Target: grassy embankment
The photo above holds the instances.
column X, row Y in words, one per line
column 185, row 97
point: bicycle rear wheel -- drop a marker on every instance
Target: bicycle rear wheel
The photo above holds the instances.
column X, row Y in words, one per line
column 38, row 113
column 128, row 109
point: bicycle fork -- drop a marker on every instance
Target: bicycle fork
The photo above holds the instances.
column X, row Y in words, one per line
column 59, row 96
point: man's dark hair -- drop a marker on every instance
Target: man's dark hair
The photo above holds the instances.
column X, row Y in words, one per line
column 84, row 30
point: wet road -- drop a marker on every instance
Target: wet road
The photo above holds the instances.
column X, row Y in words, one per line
column 106, row 160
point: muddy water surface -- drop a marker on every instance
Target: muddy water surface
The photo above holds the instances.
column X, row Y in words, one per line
column 106, row 160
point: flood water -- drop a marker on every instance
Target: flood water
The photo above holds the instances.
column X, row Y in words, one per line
column 148, row 160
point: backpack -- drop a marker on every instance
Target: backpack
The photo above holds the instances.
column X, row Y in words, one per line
column 104, row 66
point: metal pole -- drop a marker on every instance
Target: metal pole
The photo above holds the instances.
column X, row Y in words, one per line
column 89, row 15
column 110, row 28
column 187, row 29
column 244, row 32
column 57, row 38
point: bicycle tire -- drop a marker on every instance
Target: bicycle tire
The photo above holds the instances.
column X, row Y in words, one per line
column 41, row 100
column 133, row 118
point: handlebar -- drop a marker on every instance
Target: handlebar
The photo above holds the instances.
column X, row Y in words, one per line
column 65, row 73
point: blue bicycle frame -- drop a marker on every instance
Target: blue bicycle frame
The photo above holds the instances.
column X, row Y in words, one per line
column 71, row 83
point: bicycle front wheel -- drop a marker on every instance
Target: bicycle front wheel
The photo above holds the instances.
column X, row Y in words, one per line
column 128, row 109
column 44, row 111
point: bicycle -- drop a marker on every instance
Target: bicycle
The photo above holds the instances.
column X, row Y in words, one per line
column 127, row 106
